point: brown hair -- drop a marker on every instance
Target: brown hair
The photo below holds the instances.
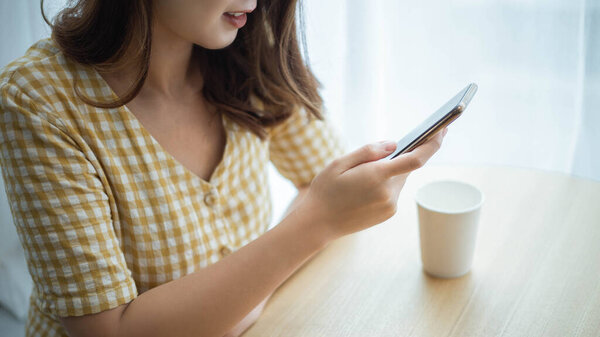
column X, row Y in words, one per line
column 264, row 61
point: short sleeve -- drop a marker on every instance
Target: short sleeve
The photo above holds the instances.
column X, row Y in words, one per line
column 302, row 146
column 61, row 211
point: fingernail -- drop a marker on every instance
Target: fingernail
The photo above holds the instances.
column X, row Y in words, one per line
column 389, row 146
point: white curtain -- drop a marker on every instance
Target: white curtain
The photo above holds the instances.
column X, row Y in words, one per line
column 387, row 64
column 21, row 24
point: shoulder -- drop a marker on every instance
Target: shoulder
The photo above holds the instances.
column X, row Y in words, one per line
column 44, row 77
column 36, row 67
column 35, row 55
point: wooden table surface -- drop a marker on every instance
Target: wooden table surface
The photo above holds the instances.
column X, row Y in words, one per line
column 536, row 270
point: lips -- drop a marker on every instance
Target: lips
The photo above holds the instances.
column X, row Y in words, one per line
column 236, row 19
column 241, row 11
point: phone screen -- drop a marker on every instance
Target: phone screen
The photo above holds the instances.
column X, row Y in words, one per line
column 443, row 116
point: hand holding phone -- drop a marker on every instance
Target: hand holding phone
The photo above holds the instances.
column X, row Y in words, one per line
column 435, row 122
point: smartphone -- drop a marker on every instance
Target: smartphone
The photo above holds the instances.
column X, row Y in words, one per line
column 436, row 122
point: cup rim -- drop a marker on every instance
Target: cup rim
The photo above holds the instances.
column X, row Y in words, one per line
column 460, row 211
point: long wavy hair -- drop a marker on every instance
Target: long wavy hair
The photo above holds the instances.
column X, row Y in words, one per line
column 264, row 61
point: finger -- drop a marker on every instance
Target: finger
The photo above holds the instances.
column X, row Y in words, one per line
column 366, row 153
column 414, row 159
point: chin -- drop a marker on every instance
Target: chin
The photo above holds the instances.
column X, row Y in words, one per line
column 220, row 41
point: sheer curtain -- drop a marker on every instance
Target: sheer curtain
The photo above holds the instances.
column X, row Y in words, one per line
column 21, row 24
column 387, row 64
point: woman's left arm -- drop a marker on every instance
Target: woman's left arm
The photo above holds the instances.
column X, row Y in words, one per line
column 253, row 316
column 301, row 192
column 300, row 148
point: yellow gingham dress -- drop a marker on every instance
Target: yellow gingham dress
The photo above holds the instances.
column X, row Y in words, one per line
column 104, row 212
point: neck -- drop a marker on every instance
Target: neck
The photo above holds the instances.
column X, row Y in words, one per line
column 171, row 70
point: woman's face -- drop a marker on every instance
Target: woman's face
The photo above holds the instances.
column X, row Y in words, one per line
column 203, row 22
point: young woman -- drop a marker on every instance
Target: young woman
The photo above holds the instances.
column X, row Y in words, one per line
column 134, row 146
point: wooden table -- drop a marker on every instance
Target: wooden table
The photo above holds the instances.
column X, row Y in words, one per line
column 536, row 270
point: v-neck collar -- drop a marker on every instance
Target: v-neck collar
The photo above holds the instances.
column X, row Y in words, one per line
column 216, row 177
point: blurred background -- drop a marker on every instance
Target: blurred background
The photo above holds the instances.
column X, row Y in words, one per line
column 386, row 64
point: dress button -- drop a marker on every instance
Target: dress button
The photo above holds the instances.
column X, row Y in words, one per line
column 210, row 199
column 224, row 251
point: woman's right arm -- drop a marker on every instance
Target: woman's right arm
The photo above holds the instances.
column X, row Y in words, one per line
column 353, row 193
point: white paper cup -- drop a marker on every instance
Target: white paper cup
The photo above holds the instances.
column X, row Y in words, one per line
column 448, row 217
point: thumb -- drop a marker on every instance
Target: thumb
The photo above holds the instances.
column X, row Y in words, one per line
column 367, row 153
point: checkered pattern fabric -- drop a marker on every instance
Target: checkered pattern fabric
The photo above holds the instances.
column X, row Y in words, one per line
column 104, row 212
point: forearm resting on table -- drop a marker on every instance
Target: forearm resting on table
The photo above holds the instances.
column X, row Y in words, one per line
column 212, row 301
column 249, row 319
